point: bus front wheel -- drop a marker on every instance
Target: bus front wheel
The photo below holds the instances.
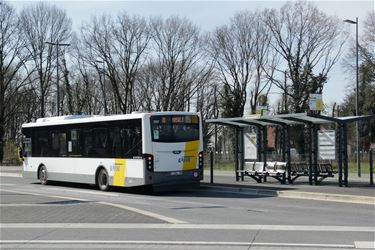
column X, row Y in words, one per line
column 43, row 175
column 103, row 180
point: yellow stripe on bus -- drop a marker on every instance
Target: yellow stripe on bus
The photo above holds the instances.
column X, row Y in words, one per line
column 191, row 151
column 119, row 175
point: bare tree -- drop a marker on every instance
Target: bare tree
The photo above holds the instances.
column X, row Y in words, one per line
column 176, row 68
column 310, row 43
column 241, row 51
column 87, row 94
column 12, row 61
column 41, row 23
column 121, row 44
column 368, row 40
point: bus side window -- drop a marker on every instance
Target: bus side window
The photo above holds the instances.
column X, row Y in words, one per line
column 59, row 146
column 131, row 136
column 115, row 145
column 87, row 145
column 41, row 146
column 75, row 142
column 99, row 142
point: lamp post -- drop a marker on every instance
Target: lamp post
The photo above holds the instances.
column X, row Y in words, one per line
column 57, row 44
column 356, row 93
column 103, row 86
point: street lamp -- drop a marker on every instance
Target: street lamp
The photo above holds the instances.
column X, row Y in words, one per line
column 103, row 86
column 57, row 44
column 356, row 93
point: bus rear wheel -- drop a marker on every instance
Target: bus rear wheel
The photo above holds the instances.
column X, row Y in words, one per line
column 43, row 175
column 103, row 180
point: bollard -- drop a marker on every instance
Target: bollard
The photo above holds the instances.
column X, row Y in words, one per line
column 211, row 167
column 371, row 168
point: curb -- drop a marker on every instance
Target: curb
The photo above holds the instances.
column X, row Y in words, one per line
column 357, row 199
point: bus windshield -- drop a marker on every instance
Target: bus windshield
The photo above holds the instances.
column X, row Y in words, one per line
column 175, row 128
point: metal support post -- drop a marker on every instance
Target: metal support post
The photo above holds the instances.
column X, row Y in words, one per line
column 315, row 153
column 242, row 166
column 283, row 142
column 371, row 168
column 310, row 146
column 211, row 167
column 288, row 157
column 340, row 152
column 345, row 136
column 259, row 143
column 265, row 145
column 236, row 154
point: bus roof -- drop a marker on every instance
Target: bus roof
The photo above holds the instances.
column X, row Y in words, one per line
column 75, row 119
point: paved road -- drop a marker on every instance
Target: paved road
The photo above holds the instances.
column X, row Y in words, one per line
column 63, row 215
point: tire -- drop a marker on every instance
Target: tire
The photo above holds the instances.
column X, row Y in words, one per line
column 43, row 175
column 103, row 180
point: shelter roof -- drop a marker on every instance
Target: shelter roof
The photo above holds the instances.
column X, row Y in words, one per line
column 286, row 119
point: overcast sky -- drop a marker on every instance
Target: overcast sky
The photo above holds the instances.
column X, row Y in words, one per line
column 210, row 14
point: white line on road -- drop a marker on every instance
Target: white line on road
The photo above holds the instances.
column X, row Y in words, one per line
column 3, row 174
column 71, row 190
column 187, row 243
column 44, row 195
column 150, row 214
column 365, row 244
column 36, row 205
column 189, row 226
column 7, row 184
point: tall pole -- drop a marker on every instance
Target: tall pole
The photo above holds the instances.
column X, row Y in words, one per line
column 356, row 94
column 57, row 44
column 57, row 81
column 357, row 102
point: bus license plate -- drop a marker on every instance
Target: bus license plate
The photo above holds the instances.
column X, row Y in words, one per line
column 176, row 173
column 184, row 159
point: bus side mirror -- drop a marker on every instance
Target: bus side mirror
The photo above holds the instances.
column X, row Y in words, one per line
column 20, row 154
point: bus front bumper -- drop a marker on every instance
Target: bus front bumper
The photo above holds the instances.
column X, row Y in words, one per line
column 175, row 179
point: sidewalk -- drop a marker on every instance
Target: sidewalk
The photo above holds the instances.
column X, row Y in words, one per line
column 359, row 190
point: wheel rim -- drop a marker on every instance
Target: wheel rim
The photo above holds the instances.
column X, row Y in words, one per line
column 103, row 179
column 43, row 175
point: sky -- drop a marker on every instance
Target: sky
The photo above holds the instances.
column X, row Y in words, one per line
column 210, row 14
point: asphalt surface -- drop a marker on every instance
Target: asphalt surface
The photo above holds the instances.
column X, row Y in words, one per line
column 227, row 215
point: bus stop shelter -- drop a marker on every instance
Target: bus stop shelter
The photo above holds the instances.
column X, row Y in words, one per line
column 311, row 124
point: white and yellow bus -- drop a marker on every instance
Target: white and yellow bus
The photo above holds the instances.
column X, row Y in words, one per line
column 163, row 149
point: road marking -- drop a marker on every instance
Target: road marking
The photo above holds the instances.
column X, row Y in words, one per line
column 147, row 213
column 37, row 205
column 44, row 195
column 189, row 226
column 136, row 210
column 197, row 243
column 7, row 184
column 364, row 244
column 84, row 192
column 3, row 174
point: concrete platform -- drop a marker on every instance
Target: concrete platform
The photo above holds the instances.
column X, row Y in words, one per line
column 359, row 190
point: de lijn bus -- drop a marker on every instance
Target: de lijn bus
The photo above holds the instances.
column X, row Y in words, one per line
column 162, row 149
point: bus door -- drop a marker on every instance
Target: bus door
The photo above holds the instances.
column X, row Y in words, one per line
column 26, row 149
